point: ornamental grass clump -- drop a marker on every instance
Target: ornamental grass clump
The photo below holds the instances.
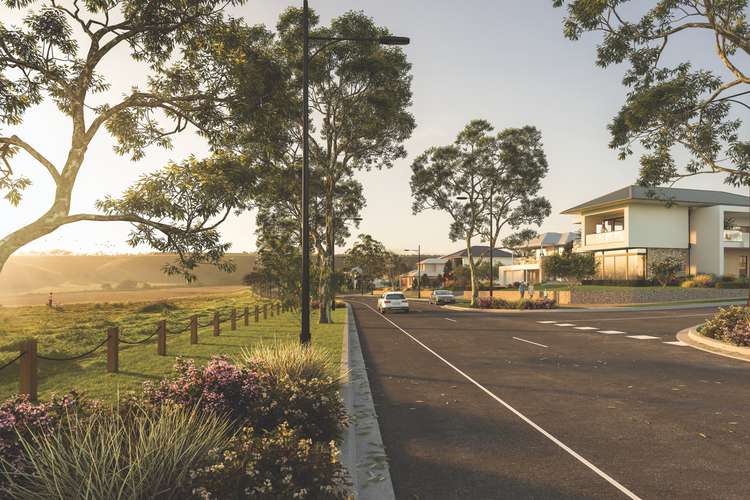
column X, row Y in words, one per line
column 106, row 455
column 300, row 386
column 20, row 418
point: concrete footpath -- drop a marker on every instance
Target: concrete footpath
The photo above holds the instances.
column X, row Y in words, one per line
column 362, row 451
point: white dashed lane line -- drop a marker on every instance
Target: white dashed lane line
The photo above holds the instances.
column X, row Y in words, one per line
column 676, row 342
column 547, row 322
column 611, row 332
column 449, row 319
column 586, row 328
column 564, row 324
column 642, row 337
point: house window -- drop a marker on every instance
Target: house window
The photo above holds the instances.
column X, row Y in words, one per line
column 621, row 266
column 743, row 271
column 611, row 225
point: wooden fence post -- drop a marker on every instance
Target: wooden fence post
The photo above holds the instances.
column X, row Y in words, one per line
column 161, row 344
column 194, row 329
column 247, row 315
column 257, row 312
column 265, row 311
column 29, row 369
column 113, row 346
column 278, row 309
column 271, row 308
column 234, row 318
column 217, row 327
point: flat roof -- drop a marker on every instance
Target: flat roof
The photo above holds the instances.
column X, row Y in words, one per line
column 681, row 196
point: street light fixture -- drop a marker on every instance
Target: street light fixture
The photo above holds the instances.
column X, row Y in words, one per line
column 333, row 258
column 419, row 259
column 304, row 335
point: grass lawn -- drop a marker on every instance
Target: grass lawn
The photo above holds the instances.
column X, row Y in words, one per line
column 76, row 328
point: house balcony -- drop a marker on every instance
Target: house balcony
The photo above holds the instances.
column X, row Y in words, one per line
column 737, row 239
column 605, row 238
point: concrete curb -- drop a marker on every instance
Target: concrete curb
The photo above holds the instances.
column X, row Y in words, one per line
column 697, row 341
column 595, row 309
column 362, row 450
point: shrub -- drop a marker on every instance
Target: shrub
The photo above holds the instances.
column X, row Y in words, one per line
column 158, row 307
column 699, row 281
column 544, row 303
column 279, row 464
column 220, row 387
column 109, row 456
column 730, row 324
column 127, row 285
column 19, row 418
column 665, row 271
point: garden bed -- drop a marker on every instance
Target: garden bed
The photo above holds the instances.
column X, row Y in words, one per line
column 730, row 325
column 262, row 426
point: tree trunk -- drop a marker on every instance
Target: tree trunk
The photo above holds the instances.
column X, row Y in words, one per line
column 324, row 287
column 472, row 274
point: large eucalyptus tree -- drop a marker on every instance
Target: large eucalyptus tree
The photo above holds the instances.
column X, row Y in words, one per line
column 199, row 70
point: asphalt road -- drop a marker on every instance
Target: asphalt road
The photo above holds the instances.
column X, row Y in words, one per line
column 544, row 405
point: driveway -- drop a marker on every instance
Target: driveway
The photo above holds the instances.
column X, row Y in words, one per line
column 555, row 405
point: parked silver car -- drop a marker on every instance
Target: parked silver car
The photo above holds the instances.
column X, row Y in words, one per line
column 442, row 297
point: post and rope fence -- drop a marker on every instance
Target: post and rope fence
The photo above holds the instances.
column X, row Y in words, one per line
column 28, row 355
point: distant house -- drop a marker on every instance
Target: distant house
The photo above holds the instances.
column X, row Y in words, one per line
column 480, row 253
column 432, row 268
column 527, row 261
column 629, row 229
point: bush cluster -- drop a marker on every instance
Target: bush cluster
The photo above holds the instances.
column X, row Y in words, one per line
column 263, row 427
column 497, row 303
column 711, row 281
column 730, row 324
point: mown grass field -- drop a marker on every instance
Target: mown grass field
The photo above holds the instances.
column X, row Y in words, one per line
column 76, row 328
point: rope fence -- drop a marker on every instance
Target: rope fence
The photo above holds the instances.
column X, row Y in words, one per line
column 29, row 357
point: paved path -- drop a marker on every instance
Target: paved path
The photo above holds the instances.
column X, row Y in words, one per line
column 555, row 405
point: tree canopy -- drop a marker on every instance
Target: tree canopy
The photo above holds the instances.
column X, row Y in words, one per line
column 685, row 119
column 200, row 71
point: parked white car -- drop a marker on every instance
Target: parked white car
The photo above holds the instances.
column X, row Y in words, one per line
column 393, row 301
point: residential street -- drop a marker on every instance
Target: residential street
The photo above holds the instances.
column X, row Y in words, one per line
column 555, row 405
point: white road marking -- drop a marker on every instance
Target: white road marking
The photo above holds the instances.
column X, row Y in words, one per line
column 547, row 322
column 585, row 328
column 564, row 324
column 611, row 332
column 520, row 415
column 530, row 342
column 449, row 319
column 668, row 316
column 676, row 342
column 642, row 337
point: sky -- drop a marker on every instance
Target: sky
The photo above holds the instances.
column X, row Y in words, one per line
column 505, row 61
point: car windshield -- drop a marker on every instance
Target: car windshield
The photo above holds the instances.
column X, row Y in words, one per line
column 443, row 292
column 395, row 296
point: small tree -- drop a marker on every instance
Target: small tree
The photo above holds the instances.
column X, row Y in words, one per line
column 368, row 254
column 394, row 267
column 570, row 267
column 665, row 271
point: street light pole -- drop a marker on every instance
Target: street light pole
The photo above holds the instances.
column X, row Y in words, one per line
column 492, row 230
column 305, row 336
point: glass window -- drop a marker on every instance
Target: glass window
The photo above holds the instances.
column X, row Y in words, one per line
column 621, row 267
column 636, row 267
column 395, row 296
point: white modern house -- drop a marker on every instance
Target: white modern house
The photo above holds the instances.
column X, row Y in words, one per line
column 628, row 229
column 432, row 268
column 527, row 260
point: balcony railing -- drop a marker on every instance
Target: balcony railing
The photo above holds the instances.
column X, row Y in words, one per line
column 734, row 236
column 603, row 238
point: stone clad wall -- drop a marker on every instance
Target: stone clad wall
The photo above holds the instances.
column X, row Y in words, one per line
column 642, row 295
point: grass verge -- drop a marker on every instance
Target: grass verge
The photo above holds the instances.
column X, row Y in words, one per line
column 75, row 329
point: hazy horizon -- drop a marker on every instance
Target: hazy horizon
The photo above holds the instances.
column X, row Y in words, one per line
column 503, row 61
